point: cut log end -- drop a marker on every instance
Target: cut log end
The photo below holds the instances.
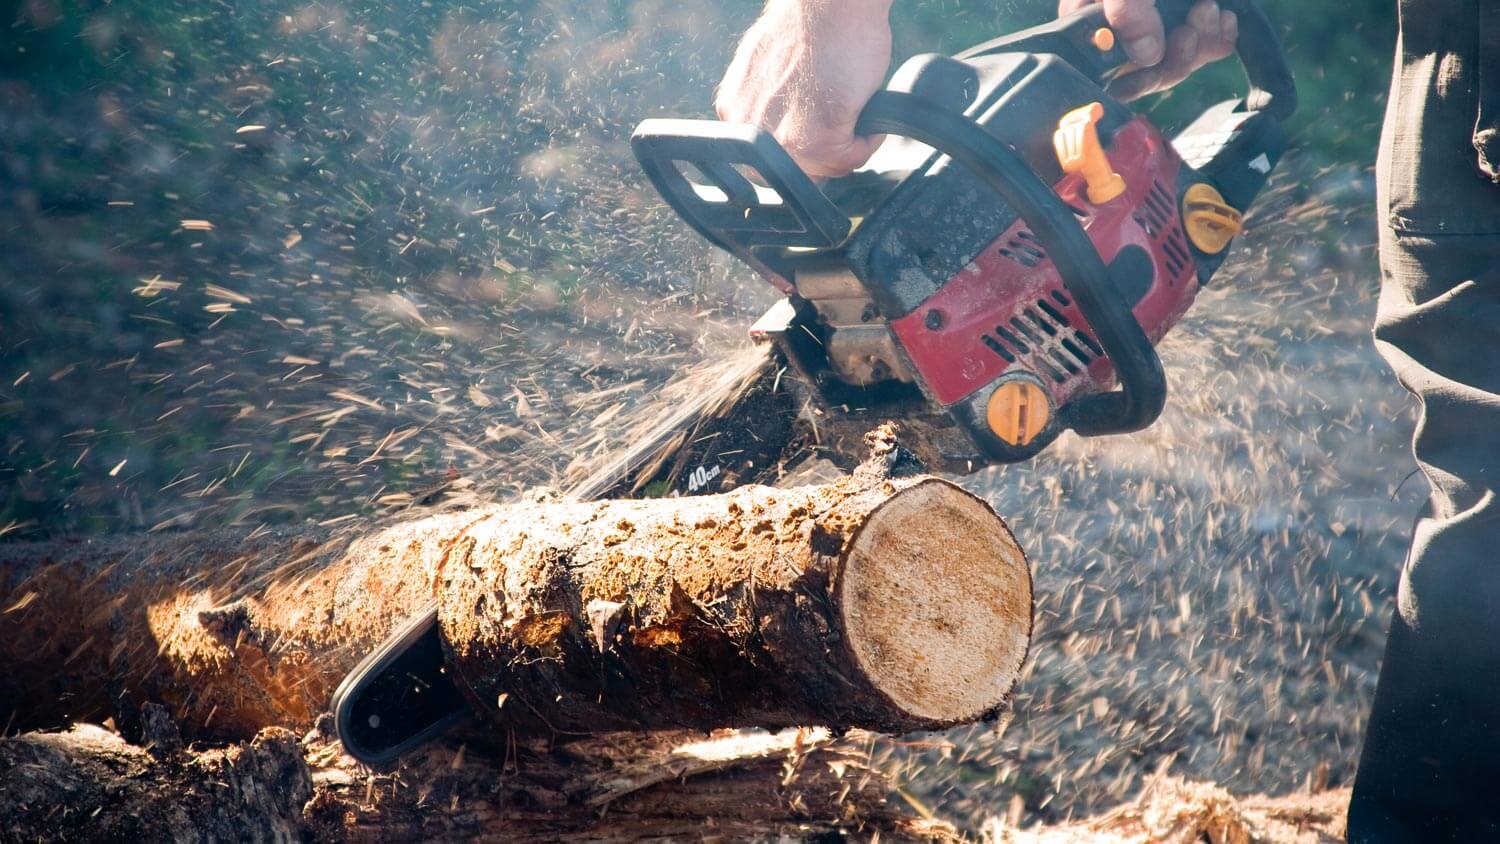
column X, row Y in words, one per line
column 938, row 618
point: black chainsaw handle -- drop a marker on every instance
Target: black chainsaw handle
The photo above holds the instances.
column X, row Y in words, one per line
column 723, row 203
column 1271, row 89
column 1143, row 384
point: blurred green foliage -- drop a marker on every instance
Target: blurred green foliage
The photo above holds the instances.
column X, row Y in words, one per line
column 1340, row 54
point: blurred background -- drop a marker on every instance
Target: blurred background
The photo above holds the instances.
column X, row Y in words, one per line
column 277, row 262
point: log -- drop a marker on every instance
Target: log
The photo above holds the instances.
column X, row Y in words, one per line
column 880, row 600
column 800, row 785
column 231, row 631
column 891, row 604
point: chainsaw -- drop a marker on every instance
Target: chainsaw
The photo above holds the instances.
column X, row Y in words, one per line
column 1013, row 254
column 999, row 273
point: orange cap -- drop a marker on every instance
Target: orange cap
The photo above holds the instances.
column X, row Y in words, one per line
column 1210, row 221
column 1018, row 410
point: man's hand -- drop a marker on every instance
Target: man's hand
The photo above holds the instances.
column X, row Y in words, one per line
column 1165, row 58
column 803, row 71
column 805, row 68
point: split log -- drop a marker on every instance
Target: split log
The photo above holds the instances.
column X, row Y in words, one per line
column 799, row 785
column 89, row 784
column 876, row 601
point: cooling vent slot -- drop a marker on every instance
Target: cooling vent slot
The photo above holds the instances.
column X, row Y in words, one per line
column 1044, row 335
column 1155, row 214
column 1023, row 249
column 1176, row 252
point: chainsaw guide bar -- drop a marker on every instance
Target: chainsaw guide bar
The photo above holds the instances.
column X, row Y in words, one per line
column 401, row 695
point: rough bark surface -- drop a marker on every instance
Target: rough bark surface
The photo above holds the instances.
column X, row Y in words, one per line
column 725, row 610
column 232, row 632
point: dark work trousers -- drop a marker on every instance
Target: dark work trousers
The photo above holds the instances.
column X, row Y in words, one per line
column 1430, row 770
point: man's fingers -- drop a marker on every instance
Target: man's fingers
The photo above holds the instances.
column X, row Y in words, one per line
column 1138, row 26
column 825, row 152
column 1229, row 34
column 1182, row 54
column 1136, row 84
column 1204, row 18
column 1217, row 32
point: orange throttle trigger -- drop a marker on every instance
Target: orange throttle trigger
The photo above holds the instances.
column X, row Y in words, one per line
column 1079, row 151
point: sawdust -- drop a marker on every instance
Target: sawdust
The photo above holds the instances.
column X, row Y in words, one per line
column 1170, row 810
column 1216, row 588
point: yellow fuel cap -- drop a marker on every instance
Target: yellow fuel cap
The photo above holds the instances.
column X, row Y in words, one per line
column 1079, row 151
column 1210, row 221
column 1018, row 411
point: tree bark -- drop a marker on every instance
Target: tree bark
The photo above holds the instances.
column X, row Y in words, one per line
column 231, row 631
column 878, row 601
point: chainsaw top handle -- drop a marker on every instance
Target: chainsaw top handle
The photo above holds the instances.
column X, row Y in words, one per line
column 709, row 171
column 1076, row 39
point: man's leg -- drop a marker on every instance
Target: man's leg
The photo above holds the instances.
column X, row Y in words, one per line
column 1430, row 770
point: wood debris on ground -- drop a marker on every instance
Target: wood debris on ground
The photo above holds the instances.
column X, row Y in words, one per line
column 1170, row 810
column 792, row 785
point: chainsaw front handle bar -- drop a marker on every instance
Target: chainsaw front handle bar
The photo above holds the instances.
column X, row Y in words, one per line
column 1143, row 384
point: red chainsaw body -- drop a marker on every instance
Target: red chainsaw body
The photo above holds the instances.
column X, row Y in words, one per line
column 1007, row 309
